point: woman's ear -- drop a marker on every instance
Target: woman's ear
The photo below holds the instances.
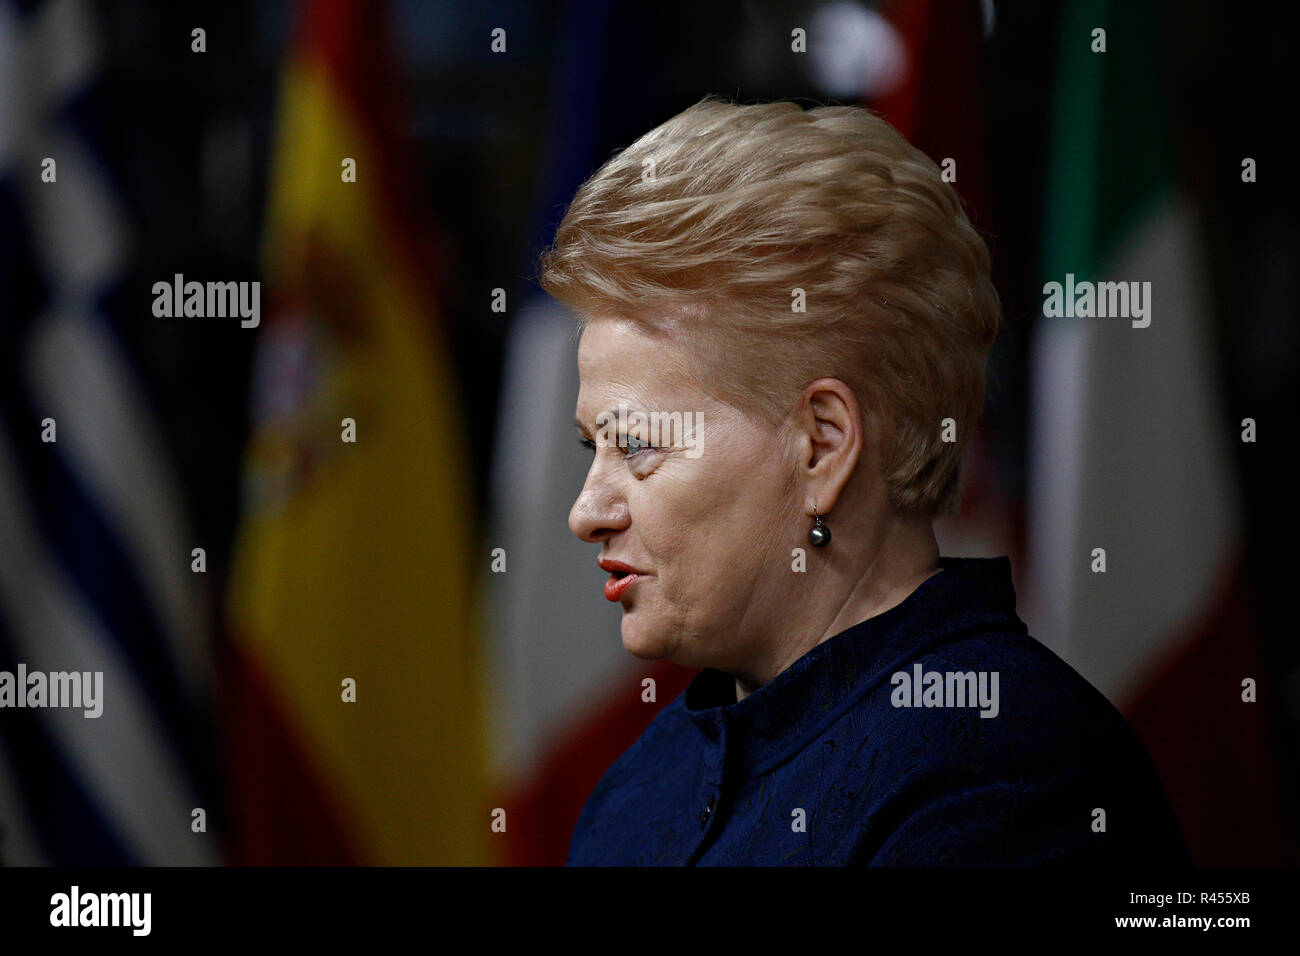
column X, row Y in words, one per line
column 832, row 430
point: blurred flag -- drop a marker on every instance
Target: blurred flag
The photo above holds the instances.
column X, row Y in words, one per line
column 94, row 554
column 1131, row 454
column 353, row 560
column 937, row 102
column 567, row 698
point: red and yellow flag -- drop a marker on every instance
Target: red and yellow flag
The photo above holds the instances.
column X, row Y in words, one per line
column 352, row 562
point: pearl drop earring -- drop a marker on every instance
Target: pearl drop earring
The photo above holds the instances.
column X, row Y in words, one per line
column 818, row 534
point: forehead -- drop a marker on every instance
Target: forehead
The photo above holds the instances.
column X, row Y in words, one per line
column 619, row 358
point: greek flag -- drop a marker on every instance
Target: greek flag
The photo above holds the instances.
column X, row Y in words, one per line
column 95, row 573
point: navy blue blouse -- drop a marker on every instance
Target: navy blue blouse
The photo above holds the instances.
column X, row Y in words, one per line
column 877, row 747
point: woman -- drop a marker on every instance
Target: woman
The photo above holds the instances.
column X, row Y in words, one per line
column 785, row 322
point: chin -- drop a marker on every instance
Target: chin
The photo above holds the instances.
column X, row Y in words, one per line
column 644, row 641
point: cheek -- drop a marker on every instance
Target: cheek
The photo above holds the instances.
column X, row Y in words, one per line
column 668, row 515
column 750, row 504
column 719, row 526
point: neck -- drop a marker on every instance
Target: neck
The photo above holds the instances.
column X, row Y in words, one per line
column 850, row 586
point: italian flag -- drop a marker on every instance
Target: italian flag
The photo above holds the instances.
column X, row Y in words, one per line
column 1131, row 451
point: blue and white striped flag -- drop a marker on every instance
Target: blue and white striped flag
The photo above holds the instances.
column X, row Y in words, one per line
column 94, row 557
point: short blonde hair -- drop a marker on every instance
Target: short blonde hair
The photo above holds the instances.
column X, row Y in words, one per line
column 713, row 220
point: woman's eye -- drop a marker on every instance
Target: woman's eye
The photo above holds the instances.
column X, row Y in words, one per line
column 634, row 446
column 631, row 446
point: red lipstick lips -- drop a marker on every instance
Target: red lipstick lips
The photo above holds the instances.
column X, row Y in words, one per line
column 621, row 577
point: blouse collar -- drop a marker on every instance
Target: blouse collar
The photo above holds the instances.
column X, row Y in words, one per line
column 780, row 718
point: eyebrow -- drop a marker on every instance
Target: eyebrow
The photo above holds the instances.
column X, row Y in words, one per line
column 582, row 426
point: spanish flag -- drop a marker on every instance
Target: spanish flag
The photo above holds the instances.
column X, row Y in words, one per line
column 354, row 723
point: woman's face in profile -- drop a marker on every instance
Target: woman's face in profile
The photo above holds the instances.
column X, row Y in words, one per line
column 706, row 514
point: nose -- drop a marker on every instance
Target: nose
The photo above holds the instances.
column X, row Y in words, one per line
column 599, row 510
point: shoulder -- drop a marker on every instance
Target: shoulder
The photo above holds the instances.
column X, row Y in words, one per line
column 1041, row 707
column 1039, row 767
